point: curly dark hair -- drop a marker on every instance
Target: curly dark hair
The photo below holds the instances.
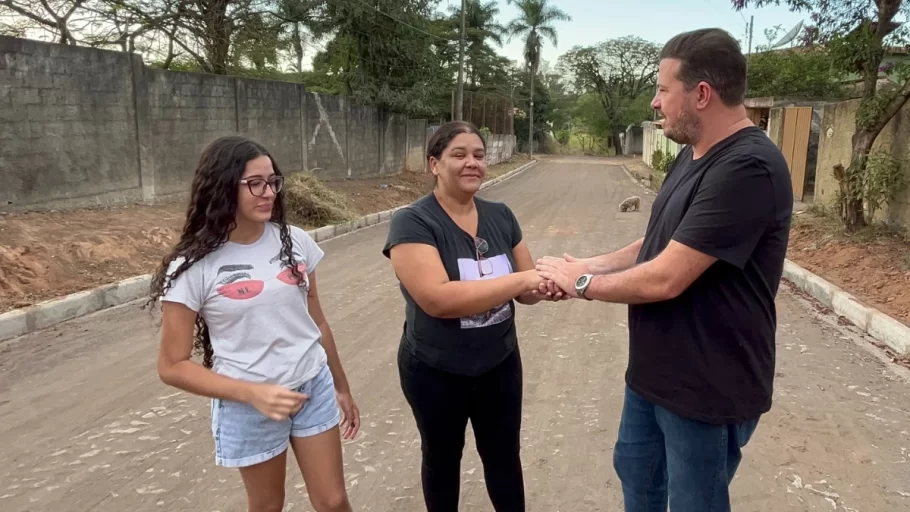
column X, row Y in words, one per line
column 211, row 216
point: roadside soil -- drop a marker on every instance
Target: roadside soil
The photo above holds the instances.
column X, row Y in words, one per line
column 45, row 255
column 873, row 265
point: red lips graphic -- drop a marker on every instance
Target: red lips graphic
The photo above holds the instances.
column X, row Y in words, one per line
column 287, row 277
column 241, row 290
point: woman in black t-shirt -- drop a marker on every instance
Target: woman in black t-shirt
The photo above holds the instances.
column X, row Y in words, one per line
column 462, row 263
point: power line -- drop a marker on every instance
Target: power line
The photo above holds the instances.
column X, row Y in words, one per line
column 348, row 53
column 401, row 22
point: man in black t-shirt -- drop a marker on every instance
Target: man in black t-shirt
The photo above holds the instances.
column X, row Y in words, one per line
column 700, row 286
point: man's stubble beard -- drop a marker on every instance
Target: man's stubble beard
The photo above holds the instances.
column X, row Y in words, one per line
column 686, row 128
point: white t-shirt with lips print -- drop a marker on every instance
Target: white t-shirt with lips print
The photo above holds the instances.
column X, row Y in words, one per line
column 258, row 320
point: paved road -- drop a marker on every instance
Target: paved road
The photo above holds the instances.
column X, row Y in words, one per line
column 85, row 425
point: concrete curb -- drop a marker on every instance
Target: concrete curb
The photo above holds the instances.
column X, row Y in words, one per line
column 511, row 174
column 636, row 179
column 894, row 334
column 46, row 314
column 632, row 176
column 873, row 322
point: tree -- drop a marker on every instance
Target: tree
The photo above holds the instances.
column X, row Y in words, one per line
column 534, row 22
column 295, row 13
column 400, row 55
column 621, row 73
column 591, row 126
column 391, row 53
column 855, row 34
column 481, row 28
column 53, row 16
column 542, row 107
column 219, row 36
column 562, row 101
column 807, row 73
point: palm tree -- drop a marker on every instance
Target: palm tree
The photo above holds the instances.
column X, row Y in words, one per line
column 534, row 22
column 481, row 26
column 477, row 21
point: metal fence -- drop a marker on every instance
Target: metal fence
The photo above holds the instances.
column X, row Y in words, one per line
column 489, row 110
column 653, row 138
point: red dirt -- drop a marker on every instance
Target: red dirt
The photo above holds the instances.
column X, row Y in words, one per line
column 47, row 255
column 873, row 265
column 44, row 255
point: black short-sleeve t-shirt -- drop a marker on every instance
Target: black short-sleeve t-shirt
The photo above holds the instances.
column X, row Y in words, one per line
column 470, row 345
column 709, row 354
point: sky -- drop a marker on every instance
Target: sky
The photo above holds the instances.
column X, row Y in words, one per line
column 594, row 21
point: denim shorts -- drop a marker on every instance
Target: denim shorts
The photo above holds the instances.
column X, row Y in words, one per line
column 244, row 437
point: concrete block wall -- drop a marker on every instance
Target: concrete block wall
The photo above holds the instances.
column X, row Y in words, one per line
column 67, row 123
column 327, row 135
column 838, row 124
column 416, row 145
column 81, row 126
column 394, row 145
column 186, row 111
column 363, row 141
column 271, row 111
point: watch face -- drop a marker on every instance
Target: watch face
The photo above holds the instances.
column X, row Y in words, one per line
column 581, row 281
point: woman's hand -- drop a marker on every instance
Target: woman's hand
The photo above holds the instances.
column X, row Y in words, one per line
column 350, row 423
column 533, row 281
column 276, row 402
column 550, row 292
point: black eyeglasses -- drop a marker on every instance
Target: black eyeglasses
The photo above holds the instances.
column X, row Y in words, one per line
column 257, row 185
column 480, row 248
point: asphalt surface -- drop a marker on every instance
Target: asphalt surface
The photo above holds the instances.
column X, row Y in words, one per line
column 85, row 424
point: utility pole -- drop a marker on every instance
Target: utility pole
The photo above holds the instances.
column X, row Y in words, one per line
column 512, row 100
column 531, row 114
column 749, row 55
column 459, row 94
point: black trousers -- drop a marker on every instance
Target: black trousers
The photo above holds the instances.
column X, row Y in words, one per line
column 442, row 404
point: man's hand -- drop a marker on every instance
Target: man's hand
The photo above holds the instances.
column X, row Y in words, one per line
column 554, row 292
column 562, row 272
column 585, row 261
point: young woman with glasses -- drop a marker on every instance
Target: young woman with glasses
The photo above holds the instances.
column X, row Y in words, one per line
column 240, row 288
column 461, row 261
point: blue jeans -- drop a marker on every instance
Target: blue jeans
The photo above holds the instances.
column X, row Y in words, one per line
column 660, row 455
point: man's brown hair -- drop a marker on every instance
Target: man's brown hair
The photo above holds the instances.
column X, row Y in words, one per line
column 713, row 56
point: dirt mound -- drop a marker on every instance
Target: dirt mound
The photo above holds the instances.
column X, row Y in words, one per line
column 46, row 255
column 310, row 203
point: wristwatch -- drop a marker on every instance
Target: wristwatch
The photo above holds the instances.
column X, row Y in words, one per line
column 582, row 283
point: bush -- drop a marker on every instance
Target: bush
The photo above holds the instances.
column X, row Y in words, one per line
column 657, row 180
column 549, row 145
column 661, row 163
column 656, row 159
column 666, row 162
column 485, row 132
column 885, row 179
column 311, row 204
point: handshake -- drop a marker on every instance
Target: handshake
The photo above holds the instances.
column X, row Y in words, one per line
column 553, row 279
